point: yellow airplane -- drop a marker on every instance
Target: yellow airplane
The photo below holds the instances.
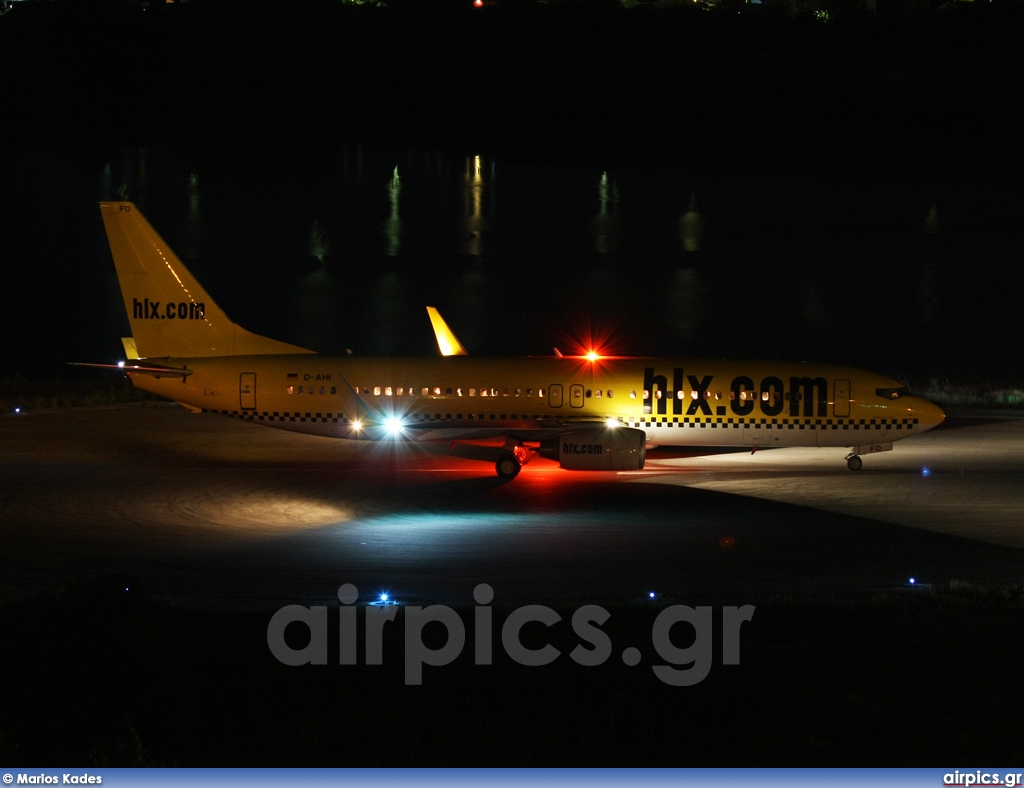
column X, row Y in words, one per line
column 589, row 412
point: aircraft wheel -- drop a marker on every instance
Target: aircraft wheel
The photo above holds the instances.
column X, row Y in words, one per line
column 508, row 466
column 855, row 463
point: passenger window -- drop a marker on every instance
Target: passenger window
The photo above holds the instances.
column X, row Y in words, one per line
column 589, row 394
column 334, row 389
column 323, row 389
column 448, row 392
column 400, row 391
column 291, row 389
column 529, row 393
column 597, row 394
column 609, row 393
column 376, row 390
column 472, row 392
column 387, row 391
column 425, row 392
column 437, row 391
column 657, row 394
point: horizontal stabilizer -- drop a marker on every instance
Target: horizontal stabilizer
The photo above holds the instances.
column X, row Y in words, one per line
column 154, row 370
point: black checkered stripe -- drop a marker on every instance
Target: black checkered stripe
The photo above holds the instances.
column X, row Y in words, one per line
column 472, row 417
column 275, row 417
column 774, row 424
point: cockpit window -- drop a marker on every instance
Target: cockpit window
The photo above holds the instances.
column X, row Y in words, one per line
column 895, row 393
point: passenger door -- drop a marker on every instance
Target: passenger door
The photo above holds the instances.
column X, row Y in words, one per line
column 247, row 391
column 841, row 397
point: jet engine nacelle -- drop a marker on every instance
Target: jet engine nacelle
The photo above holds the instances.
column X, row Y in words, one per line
column 599, row 449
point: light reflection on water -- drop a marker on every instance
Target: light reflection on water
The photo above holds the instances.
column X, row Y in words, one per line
column 606, row 223
column 393, row 224
column 193, row 218
column 473, row 197
column 769, row 263
column 683, row 302
column 691, row 227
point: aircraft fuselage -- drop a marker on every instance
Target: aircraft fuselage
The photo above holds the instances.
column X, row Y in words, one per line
column 674, row 401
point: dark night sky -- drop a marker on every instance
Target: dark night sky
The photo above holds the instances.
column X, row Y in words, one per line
column 815, row 151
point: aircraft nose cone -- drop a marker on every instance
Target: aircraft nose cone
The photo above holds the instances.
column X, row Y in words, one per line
column 929, row 414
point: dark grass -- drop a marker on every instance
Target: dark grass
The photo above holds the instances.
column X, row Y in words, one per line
column 25, row 395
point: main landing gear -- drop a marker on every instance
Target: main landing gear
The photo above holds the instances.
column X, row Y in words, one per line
column 508, row 466
column 510, row 462
column 854, row 462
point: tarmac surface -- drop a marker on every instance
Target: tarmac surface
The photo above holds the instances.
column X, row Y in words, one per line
column 213, row 512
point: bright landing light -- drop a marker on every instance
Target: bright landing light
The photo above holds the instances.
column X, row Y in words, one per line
column 611, row 421
column 393, row 425
column 593, row 355
column 384, row 600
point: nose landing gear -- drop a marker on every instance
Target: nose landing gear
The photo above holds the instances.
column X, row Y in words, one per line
column 853, row 460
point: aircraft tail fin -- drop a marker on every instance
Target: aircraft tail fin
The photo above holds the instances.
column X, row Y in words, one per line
column 171, row 315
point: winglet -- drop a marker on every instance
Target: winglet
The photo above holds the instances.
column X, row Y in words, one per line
column 447, row 342
column 130, row 351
